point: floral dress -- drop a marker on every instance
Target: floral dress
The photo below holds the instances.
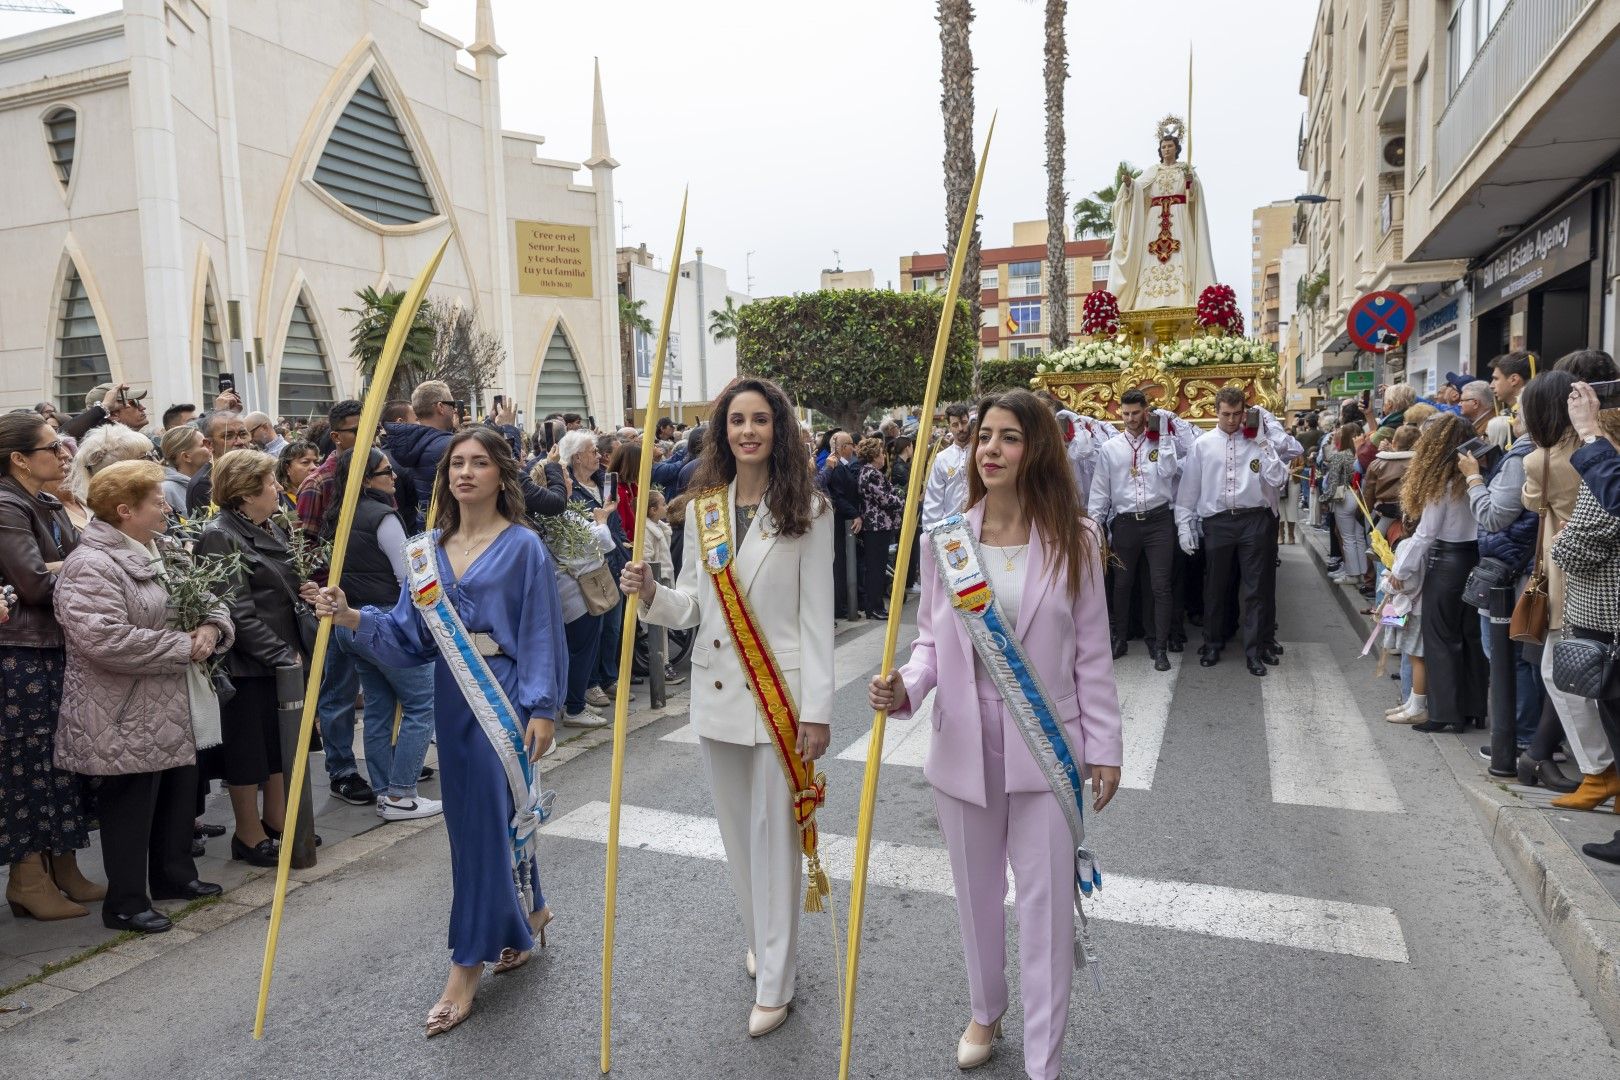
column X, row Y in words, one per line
column 880, row 503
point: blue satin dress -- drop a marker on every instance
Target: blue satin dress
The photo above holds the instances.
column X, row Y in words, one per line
column 508, row 592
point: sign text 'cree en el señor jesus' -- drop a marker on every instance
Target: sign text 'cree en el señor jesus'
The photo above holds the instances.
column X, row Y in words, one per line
column 553, row 260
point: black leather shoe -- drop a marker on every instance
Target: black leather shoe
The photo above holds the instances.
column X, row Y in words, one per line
column 1256, row 667
column 1176, row 644
column 1609, row 852
column 207, row 831
column 275, row 834
column 1121, row 647
column 1432, row 726
column 145, row 922
column 194, row 889
column 198, row 850
column 1269, row 658
column 1532, row 772
column 1161, row 662
column 1209, row 657
column 261, row 854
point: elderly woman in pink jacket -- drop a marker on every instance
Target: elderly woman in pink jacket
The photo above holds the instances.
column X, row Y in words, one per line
column 135, row 698
column 1013, row 631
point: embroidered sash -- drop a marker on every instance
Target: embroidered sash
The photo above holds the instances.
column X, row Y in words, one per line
column 956, row 553
column 490, row 707
column 765, row 681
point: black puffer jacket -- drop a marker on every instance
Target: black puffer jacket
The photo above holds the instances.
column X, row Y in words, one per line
column 415, row 450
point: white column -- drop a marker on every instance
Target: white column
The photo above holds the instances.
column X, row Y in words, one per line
column 157, row 203
column 609, row 393
column 256, row 391
column 487, row 54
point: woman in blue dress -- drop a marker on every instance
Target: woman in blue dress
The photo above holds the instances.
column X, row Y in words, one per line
column 484, row 581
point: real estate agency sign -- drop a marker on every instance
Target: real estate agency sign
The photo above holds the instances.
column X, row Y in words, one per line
column 1557, row 243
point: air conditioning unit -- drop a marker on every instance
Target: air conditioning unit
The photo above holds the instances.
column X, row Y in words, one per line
column 1392, row 153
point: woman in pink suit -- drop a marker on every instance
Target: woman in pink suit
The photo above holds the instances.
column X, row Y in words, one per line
column 1042, row 561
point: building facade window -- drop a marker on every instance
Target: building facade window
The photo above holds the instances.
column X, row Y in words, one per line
column 305, row 388
column 367, row 164
column 61, row 136
column 1024, row 317
column 1025, row 348
column 990, row 279
column 919, row 284
column 1024, row 278
column 1467, row 32
column 644, row 354
column 81, row 357
column 1099, row 271
column 559, row 388
column 213, row 348
column 1418, row 140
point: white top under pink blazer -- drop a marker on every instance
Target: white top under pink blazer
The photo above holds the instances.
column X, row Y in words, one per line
column 1066, row 640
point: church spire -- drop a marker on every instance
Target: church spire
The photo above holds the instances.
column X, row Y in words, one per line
column 484, row 34
column 600, row 154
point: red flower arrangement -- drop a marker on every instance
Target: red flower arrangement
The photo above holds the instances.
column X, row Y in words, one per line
column 1099, row 316
column 1217, row 306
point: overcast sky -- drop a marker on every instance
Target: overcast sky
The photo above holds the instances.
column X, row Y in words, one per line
column 806, row 129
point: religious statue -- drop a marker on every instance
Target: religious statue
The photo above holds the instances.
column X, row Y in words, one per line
column 1161, row 256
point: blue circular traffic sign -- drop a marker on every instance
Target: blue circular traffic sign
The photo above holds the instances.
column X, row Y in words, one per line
column 1380, row 321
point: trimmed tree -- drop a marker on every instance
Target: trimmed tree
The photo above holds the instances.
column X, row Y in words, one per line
column 847, row 353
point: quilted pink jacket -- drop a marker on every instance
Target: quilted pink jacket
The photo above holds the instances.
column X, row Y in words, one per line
column 124, row 705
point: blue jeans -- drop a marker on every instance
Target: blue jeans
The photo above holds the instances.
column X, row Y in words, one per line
column 584, row 637
column 607, row 652
column 335, row 706
column 394, row 767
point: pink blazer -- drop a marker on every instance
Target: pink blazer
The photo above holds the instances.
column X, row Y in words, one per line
column 1066, row 641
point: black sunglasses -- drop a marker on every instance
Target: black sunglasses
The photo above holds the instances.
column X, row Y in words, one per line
column 54, row 448
column 386, row 470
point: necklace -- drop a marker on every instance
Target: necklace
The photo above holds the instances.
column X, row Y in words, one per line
column 478, row 543
column 1010, row 561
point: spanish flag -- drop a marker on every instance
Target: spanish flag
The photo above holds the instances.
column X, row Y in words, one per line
column 1011, row 324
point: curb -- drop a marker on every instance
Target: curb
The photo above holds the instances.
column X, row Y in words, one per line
column 1577, row 913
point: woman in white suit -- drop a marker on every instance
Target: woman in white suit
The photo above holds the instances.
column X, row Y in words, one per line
column 759, row 533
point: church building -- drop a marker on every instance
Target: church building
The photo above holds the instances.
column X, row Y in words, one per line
column 197, row 187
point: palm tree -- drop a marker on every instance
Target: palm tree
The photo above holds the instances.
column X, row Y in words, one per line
column 1057, row 263
column 723, row 321
column 372, row 319
column 956, row 103
column 1094, row 216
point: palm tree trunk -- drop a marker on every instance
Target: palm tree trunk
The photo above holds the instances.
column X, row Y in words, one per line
column 956, row 103
column 1057, row 273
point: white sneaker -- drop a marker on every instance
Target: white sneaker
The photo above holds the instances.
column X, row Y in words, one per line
column 588, row 717
column 408, row 809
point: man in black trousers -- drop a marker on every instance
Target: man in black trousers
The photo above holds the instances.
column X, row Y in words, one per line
column 1227, row 503
column 1131, row 494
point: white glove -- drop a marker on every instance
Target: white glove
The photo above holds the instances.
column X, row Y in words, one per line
column 1188, row 537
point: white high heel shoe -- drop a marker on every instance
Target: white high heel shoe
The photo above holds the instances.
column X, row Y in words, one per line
column 763, row 1021
column 970, row 1055
column 748, row 962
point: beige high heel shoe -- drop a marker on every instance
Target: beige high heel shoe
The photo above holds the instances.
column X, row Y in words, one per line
column 446, row 1015
column 511, row 959
column 750, row 964
column 763, row 1021
column 970, row 1055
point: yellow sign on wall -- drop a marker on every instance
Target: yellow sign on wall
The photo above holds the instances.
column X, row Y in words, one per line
column 553, row 260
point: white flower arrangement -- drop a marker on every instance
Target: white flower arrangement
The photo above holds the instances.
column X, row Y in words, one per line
column 1210, row 350
column 1102, row 354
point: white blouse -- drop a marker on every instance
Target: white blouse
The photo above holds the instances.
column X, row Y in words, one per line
column 1450, row 520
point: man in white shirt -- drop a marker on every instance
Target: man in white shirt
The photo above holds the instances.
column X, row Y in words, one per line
column 1132, row 491
column 946, row 491
column 1228, row 501
column 1082, row 438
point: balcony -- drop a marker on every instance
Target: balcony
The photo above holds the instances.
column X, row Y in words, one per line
column 1392, row 46
column 1524, row 38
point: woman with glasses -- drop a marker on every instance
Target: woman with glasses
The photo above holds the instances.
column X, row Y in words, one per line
column 372, row 575
column 42, row 815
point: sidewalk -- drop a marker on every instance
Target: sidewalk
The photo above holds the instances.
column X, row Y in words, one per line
column 1576, row 899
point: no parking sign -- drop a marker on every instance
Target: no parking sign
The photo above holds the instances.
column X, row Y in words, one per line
column 1381, row 321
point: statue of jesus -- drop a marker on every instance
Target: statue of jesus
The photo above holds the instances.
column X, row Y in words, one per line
column 1161, row 256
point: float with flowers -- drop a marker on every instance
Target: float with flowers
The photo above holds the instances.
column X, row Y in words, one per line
column 1180, row 357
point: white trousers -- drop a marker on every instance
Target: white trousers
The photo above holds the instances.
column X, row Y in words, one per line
column 763, row 856
column 1582, row 724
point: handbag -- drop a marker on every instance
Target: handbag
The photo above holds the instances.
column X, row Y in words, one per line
column 1587, row 668
column 1489, row 574
column 600, row 590
column 1532, row 614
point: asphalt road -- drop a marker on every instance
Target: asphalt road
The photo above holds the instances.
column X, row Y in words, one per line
column 1297, row 890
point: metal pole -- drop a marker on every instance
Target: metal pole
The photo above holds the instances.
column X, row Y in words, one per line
column 851, row 575
column 703, row 334
column 300, row 834
column 1504, row 683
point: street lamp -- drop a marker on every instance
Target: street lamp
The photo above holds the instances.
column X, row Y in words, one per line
column 1314, row 200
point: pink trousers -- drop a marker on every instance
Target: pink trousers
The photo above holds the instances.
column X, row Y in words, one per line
column 1028, row 830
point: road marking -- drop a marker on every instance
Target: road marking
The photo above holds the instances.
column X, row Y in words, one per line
column 851, row 661
column 1331, row 926
column 905, row 739
column 1321, row 751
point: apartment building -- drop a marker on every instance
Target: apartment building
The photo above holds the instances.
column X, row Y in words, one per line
column 1463, row 153
column 1273, row 229
column 1012, row 287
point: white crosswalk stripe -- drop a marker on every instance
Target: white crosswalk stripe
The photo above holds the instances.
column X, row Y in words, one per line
column 1321, row 750
column 1331, row 926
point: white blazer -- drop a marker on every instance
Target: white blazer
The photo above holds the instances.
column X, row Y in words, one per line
column 788, row 582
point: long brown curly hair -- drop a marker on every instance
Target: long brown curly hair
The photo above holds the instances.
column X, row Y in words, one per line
column 1045, row 481
column 791, row 492
column 508, row 502
column 1433, row 475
